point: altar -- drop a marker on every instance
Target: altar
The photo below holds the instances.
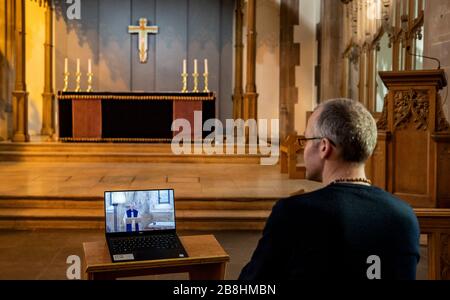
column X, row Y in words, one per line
column 128, row 117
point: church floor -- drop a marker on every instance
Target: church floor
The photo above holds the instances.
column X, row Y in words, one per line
column 189, row 180
column 42, row 254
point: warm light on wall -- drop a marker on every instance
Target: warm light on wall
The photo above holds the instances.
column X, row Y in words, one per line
column 35, row 39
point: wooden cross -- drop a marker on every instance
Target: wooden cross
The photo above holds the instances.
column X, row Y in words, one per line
column 143, row 30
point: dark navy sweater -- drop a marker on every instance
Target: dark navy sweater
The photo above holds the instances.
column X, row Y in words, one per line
column 330, row 234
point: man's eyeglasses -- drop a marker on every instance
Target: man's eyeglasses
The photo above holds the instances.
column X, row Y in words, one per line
column 303, row 140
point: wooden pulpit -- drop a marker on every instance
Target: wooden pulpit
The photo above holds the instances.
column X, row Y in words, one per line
column 412, row 157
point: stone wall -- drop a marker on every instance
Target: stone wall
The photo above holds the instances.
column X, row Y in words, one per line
column 437, row 40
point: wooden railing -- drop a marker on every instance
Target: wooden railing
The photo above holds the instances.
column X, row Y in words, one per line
column 435, row 223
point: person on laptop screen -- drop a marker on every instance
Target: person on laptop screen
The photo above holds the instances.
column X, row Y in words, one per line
column 132, row 213
column 148, row 229
column 349, row 229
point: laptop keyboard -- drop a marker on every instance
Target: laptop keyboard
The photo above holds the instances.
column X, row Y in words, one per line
column 130, row 244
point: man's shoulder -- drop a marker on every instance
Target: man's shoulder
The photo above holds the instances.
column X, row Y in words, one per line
column 304, row 199
column 331, row 193
column 314, row 194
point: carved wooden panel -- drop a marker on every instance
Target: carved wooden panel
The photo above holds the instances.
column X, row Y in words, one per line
column 411, row 170
column 411, row 105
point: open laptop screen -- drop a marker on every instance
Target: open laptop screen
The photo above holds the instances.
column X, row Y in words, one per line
column 132, row 211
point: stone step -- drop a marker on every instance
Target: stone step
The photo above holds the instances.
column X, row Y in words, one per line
column 87, row 213
column 104, row 147
column 97, row 214
column 118, row 152
column 125, row 157
column 34, row 218
column 96, row 203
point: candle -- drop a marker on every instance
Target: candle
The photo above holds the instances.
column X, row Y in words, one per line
column 195, row 66
column 78, row 65
column 90, row 66
column 206, row 66
column 66, row 65
column 184, row 66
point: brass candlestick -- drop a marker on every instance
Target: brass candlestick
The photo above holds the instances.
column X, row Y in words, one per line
column 78, row 80
column 195, row 75
column 66, row 81
column 205, row 75
column 184, row 76
column 90, row 75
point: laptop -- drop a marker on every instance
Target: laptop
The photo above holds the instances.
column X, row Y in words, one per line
column 140, row 225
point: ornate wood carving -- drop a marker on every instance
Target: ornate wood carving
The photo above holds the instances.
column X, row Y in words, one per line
column 411, row 104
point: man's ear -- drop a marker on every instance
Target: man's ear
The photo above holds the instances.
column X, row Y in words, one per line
column 325, row 149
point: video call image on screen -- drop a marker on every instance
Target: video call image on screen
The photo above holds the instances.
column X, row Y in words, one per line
column 133, row 211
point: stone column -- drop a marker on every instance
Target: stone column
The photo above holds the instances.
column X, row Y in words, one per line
column 332, row 49
column 239, row 49
column 8, row 65
column 250, row 107
column 20, row 94
column 48, row 112
column 289, row 59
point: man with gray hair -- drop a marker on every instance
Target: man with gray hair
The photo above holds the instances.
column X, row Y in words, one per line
column 349, row 229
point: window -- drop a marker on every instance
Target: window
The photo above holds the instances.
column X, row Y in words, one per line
column 383, row 63
column 164, row 197
column 383, row 36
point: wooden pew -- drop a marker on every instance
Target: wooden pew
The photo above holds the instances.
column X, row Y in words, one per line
column 435, row 223
column 289, row 149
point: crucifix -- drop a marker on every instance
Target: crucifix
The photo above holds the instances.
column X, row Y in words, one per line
column 143, row 30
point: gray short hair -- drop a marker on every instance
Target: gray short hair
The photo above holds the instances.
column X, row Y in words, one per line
column 350, row 126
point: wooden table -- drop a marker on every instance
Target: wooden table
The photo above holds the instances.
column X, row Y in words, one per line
column 207, row 261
